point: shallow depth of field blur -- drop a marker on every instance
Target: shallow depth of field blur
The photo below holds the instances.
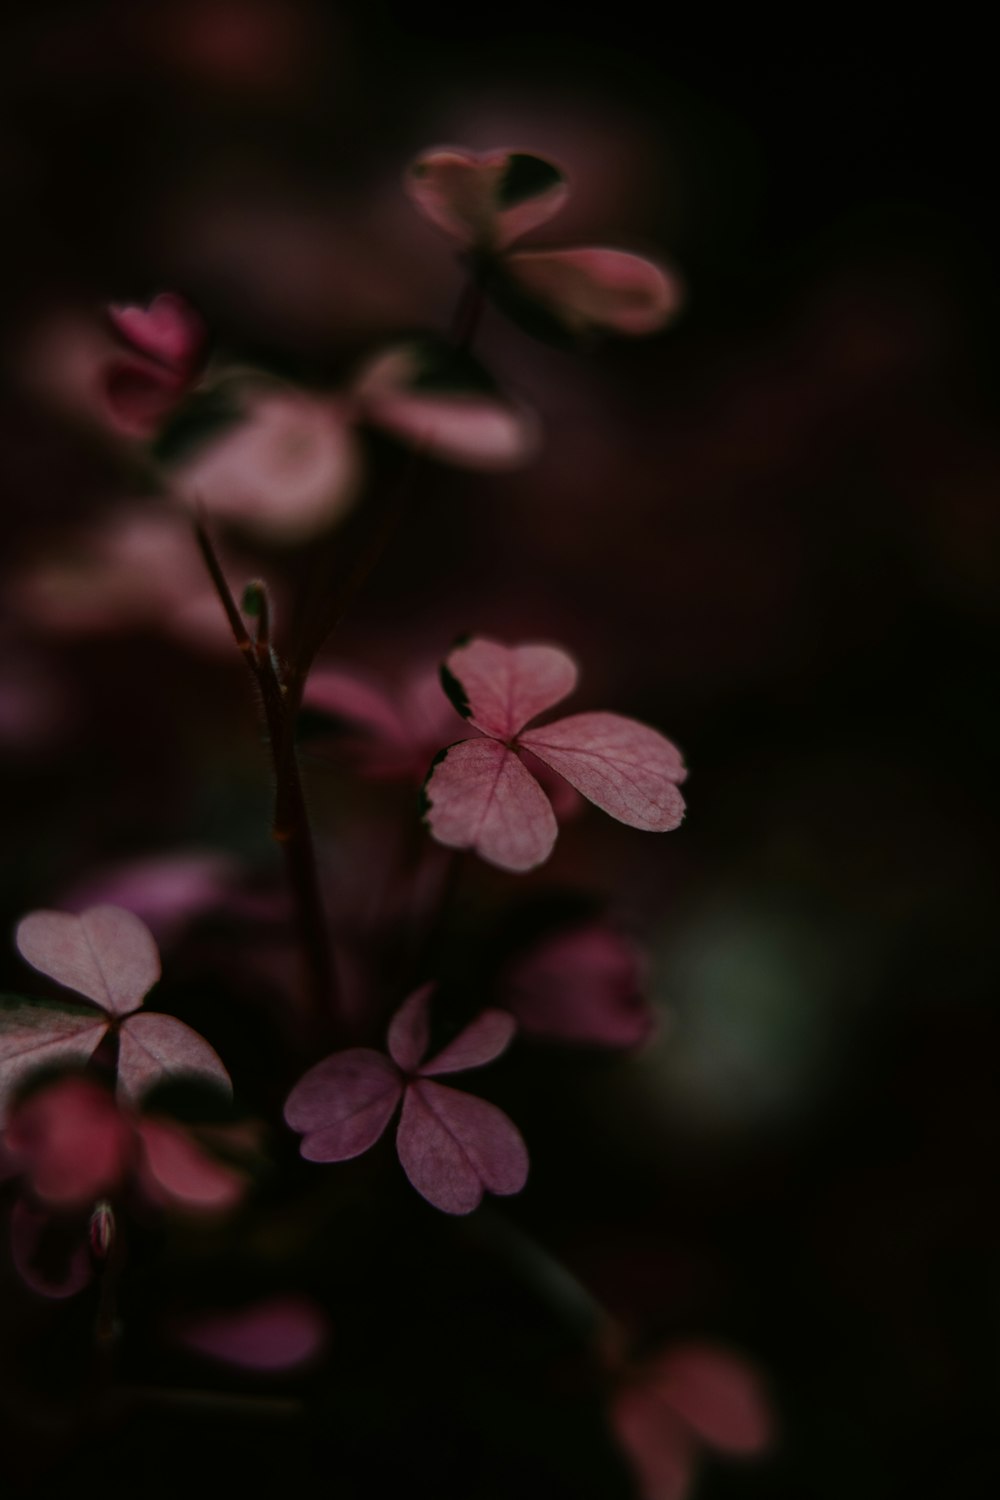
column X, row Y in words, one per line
column 770, row 531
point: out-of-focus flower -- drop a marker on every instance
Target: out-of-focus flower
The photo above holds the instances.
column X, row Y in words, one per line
column 581, row 985
column 165, row 343
column 109, row 956
column 480, row 795
column 486, row 200
column 690, row 1397
column 274, row 1334
column 452, row 1146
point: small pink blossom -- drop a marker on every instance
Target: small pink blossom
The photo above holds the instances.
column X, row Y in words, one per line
column 481, row 795
column 165, row 343
column 690, row 1397
column 109, row 956
column 581, row 985
column 452, row 1146
column 486, row 200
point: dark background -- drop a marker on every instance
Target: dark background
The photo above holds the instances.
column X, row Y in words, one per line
column 772, row 531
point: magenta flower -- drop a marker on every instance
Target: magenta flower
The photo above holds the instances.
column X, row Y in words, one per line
column 480, row 794
column 452, row 1146
column 166, row 342
column 486, row 200
column 689, row 1397
column 109, row 956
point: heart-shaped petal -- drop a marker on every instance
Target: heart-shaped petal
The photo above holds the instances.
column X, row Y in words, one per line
column 499, row 688
column 596, row 290
column 454, row 1147
column 485, row 200
column 624, row 767
column 168, row 330
column 343, row 1104
column 35, row 1034
column 479, row 796
column 105, row 953
column 409, row 1030
column 481, row 1041
column 153, row 1046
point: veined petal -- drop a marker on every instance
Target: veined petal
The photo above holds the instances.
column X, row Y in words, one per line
column 105, row 953
column 479, row 796
column 343, row 1104
column 482, row 1040
column 409, row 1030
column 152, row 1046
column 453, row 1147
column 37, row 1034
column 499, row 688
column 624, row 767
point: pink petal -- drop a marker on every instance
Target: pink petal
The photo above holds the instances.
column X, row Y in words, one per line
column 177, row 1172
column 409, row 1030
column 580, row 986
column 287, row 469
column 37, row 1035
column 345, row 696
column 152, row 1046
column 166, row 891
column 624, row 767
column 105, row 953
column 343, row 1104
column 597, row 290
column 718, row 1394
column 658, row 1446
column 485, row 199
column 50, row 1257
column 454, row 1146
column 499, row 688
column 472, row 428
column 479, row 796
column 278, row 1333
column 169, row 330
column 71, row 1141
column 481, row 1041
column 138, row 398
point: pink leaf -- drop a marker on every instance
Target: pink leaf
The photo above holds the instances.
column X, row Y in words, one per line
column 168, row 330
column 624, row 767
column 105, row 953
column 718, row 1394
column 580, row 986
column 479, row 796
column 152, row 1046
column 481, row 1041
column 287, row 469
column 409, row 1030
column 71, row 1142
column 597, row 290
column 499, row 688
column 176, row 1171
column 50, row 1257
column 660, row 1449
column 278, row 1333
column 454, row 1146
column 487, row 199
column 345, row 696
column 37, row 1035
column 343, row 1104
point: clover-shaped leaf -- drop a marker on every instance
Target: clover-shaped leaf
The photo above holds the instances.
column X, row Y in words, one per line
column 485, row 200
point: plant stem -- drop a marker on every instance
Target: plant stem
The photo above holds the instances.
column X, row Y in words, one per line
column 290, row 827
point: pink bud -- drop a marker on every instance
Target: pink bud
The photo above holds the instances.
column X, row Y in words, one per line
column 102, row 1229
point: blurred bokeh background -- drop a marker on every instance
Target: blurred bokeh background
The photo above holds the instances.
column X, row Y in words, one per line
column 771, row 530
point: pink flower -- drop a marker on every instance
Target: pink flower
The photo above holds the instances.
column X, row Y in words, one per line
column 480, row 794
column 580, row 985
column 486, row 200
column 692, row 1396
column 109, row 956
column 452, row 1146
column 165, row 343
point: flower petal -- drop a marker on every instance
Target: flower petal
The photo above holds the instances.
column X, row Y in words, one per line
column 277, row 1333
column 343, row 1104
column 596, row 290
column 454, row 1146
column 718, row 1394
column 35, row 1034
column 169, row 330
column 177, row 1172
column 481, row 1041
column 342, row 695
column 485, row 199
column 105, row 953
column 151, row 1046
column 580, row 986
column 499, row 688
column 409, row 1030
column 71, row 1141
column 658, row 1445
column 479, row 796
column 623, row 766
